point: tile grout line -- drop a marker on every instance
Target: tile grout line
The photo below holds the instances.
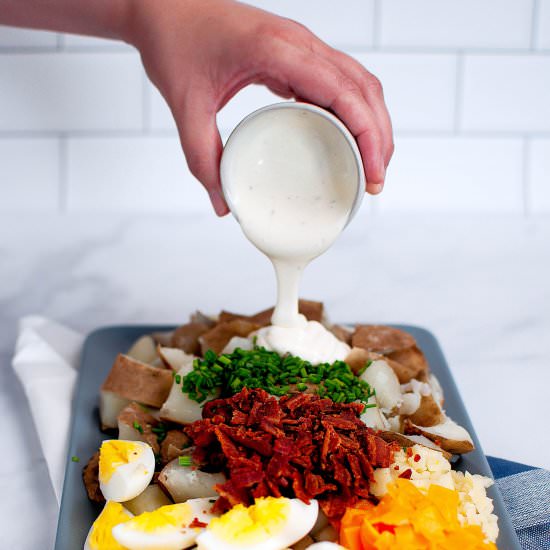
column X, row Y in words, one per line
column 376, row 24
column 170, row 133
column 534, row 28
column 459, row 92
column 145, row 104
column 63, row 181
column 526, row 172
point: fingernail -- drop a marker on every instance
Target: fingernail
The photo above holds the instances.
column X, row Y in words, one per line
column 218, row 202
column 376, row 188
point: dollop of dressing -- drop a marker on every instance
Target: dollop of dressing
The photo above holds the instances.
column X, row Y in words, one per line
column 292, row 188
column 312, row 342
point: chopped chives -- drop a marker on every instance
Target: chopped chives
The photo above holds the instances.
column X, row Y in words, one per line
column 185, row 461
column 227, row 374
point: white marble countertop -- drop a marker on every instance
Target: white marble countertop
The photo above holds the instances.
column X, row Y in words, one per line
column 481, row 284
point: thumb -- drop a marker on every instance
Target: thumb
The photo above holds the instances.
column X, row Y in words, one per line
column 202, row 145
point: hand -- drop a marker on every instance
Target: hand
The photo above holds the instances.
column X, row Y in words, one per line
column 200, row 53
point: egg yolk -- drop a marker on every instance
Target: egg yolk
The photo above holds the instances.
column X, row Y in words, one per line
column 113, row 454
column 264, row 519
column 165, row 518
column 101, row 537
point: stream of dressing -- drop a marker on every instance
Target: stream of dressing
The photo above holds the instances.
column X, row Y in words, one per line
column 292, row 189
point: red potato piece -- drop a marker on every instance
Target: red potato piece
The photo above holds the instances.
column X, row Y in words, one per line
column 144, row 350
column 173, row 445
column 200, row 317
column 163, row 338
column 381, row 339
column 175, row 358
column 428, row 413
column 342, row 333
column 448, row 435
column 187, row 336
column 357, row 358
column 139, row 382
column 217, row 338
column 183, row 482
column 130, row 417
column 90, row 477
column 311, row 310
column 404, row 441
column 151, row 499
column 408, row 363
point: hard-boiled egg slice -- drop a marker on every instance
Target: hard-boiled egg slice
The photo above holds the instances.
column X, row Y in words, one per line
column 170, row 527
column 125, row 468
column 100, row 535
column 270, row 524
column 325, row 545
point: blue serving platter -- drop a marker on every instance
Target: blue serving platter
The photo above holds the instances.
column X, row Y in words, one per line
column 77, row 513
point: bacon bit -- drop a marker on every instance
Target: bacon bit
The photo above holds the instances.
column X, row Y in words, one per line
column 197, row 523
column 409, row 452
column 396, row 467
column 416, row 457
column 406, row 474
column 300, row 446
column 381, row 527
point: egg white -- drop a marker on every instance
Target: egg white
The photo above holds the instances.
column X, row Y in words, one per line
column 325, row 545
column 136, row 535
column 130, row 479
column 299, row 520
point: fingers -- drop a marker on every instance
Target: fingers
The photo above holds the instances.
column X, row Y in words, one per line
column 318, row 80
column 202, row 144
column 373, row 93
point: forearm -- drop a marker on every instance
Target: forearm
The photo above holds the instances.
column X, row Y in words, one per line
column 103, row 18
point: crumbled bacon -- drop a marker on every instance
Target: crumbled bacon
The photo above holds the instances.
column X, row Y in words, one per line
column 406, row 474
column 197, row 523
column 299, row 446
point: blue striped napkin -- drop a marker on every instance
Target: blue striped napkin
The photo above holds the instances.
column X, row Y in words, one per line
column 529, row 509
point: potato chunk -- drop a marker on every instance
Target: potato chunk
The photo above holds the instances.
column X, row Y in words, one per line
column 136, row 381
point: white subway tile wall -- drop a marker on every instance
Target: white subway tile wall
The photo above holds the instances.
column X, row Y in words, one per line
column 455, row 174
column 130, row 174
column 347, row 24
column 538, row 186
column 70, row 92
column 419, row 89
column 29, row 175
column 467, row 84
column 464, row 24
column 542, row 27
column 507, row 93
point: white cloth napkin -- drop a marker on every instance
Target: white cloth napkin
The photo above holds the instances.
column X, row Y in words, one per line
column 46, row 361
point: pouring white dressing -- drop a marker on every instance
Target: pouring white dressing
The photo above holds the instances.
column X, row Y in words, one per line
column 293, row 178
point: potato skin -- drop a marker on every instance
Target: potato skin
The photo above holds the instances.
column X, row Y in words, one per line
column 186, row 337
column 217, row 338
column 428, row 413
column 311, row 310
column 408, row 364
column 139, row 382
column 183, row 483
column 381, row 339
